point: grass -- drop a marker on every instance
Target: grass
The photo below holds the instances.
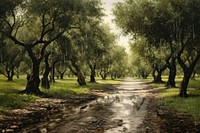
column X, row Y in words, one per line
column 189, row 105
column 11, row 99
column 69, row 86
column 9, row 94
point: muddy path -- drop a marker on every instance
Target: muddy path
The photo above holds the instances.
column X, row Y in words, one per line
column 121, row 111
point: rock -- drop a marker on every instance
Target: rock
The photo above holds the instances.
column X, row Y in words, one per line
column 58, row 120
column 9, row 131
column 14, row 127
column 43, row 130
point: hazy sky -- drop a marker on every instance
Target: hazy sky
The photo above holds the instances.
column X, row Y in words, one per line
column 108, row 5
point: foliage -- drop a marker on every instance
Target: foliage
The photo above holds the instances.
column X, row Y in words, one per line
column 169, row 25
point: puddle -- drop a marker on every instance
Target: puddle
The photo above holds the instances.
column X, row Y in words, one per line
column 122, row 111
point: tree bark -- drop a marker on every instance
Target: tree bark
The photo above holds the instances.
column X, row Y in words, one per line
column 103, row 73
column 184, row 84
column 45, row 81
column 93, row 73
column 33, row 80
column 158, row 77
column 188, row 70
column 52, row 77
column 61, row 73
column 9, row 72
column 77, row 72
column 81, row 80
column 172, row 73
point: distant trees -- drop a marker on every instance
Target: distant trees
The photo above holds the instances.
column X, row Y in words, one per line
column 10, row 58
column 45, row 38
column 42, row 25
column 172, row 25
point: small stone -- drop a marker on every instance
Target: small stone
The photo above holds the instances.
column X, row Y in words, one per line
column 57, row 120
column 14, row 127
column 9, row 131
column 43, row 130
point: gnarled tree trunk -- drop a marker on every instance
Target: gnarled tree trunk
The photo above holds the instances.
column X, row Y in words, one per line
column 157, row 74
column 45, row 81
column 104, row 72
column 77, row 72
column 172, row 73
column 33, row 80
column 93, row 73
column 81, row 79
column 188, row 70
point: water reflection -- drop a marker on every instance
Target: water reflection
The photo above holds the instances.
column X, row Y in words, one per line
column 118, row 112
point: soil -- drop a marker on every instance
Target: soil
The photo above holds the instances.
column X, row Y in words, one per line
column 158, row 119
column 41, row 110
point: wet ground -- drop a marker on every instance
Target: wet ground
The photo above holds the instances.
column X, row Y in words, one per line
column 121, row 111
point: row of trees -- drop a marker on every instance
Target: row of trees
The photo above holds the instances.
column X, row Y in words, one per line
column 50, row 35
column 166, row 34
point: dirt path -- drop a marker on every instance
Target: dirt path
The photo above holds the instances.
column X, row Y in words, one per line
column 118, row 111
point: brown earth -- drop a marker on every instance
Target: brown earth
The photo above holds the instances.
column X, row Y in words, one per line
column 159, row 119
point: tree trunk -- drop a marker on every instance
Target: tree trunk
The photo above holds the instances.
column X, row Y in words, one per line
column 172, row 74
column 93, row 73
column 81, row 80
column 92, row 77
column 9, row 72
column 103, row 74
column 158, row 78
column 188, row 70
column 184, row 84
column 33, row 80
column 8, row 75
column 62, row 75
column 194, row 75
column 77, row 72
column 45, row 81
column 52, row 77
column 154, row 74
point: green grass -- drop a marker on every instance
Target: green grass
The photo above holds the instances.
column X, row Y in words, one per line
column 9, row 94
column 69, row 86
column 11, row 99
column 189, row 105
